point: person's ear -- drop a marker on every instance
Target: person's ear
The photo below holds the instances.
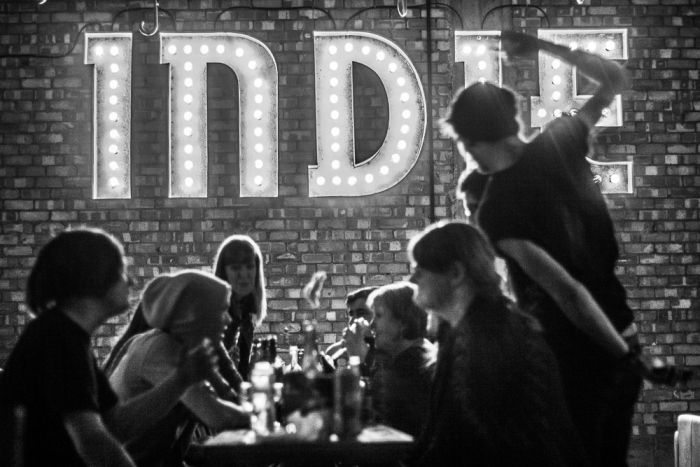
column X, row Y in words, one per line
column 457, row 273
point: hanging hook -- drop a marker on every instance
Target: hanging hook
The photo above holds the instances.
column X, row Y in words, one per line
column 402, row 7
column 142, row 27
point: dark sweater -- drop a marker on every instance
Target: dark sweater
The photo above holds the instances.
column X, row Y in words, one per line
column 497, row 399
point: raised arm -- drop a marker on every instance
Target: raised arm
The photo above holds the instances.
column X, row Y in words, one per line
column 610, row 76
column 134, row 417
column 573, row 299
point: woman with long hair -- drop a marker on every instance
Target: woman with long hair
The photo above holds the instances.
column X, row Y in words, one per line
column 239, row 262
column 497, row 397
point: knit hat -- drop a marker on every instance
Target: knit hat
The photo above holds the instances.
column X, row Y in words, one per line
column 185, row 302
column 484, row 112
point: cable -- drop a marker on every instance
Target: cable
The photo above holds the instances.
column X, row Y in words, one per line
column 385, row 7
column 291, row 8
column 55, row 56
column 160, row 10
column 402, row 8
column 500, row 7
column 431, row 149
column 99, row 25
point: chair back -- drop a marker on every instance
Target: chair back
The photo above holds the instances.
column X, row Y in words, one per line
column 687, row 441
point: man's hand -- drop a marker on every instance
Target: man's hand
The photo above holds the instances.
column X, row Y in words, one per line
column 519, row 44
column 656, row 370
column 199, row 363
column 354, row 337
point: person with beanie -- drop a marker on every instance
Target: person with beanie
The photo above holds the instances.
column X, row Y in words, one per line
column 227, row 386
column 183, row 308
column 546, row 217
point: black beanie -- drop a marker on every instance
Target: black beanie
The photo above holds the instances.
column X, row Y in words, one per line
column 484, row 112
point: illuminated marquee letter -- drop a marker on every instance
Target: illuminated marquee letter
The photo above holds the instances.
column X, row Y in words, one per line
column 476, row 49
column 256, row 70
column 558, row 93
column 337, row 174
column 111, row 55
column 612, row 177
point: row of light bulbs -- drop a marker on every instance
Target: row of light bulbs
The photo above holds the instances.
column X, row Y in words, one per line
column 189, row 99
column 114, row 135
column 404, row 97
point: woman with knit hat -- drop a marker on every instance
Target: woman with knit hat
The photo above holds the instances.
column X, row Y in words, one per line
column 184, row 308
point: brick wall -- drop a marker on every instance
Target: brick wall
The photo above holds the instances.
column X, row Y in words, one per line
column 46, row 154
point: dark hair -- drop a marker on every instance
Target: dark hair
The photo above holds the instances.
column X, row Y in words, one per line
column 78, row 263
column 137, row 325
column 442, row 245
column 360, row 294
column 398, row 299
column 237, row 249
column 482, row 112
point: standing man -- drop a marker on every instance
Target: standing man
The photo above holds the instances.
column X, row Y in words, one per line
column 54, row 400
column 545, row 215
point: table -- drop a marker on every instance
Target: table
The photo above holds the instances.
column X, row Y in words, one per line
column 376, row 445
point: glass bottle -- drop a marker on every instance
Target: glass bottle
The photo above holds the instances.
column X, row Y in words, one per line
column 255, row 352
column 264, row 350
column 347, row 400
column 274, row 359
column 262, row 395
column 310, row 363
column 293, row 360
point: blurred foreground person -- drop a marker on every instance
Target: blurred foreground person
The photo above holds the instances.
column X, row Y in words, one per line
column 545, row 215
column 405, row 359
column 54, row 400
column 496, row 399
column 183, row 308
column 239, row 262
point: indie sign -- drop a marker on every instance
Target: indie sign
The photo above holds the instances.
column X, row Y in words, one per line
column 336, row 172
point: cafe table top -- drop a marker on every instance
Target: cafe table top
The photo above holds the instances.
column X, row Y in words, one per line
column 375, row 445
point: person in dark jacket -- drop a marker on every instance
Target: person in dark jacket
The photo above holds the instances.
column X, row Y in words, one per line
column 405, row 359
column 497, row 398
